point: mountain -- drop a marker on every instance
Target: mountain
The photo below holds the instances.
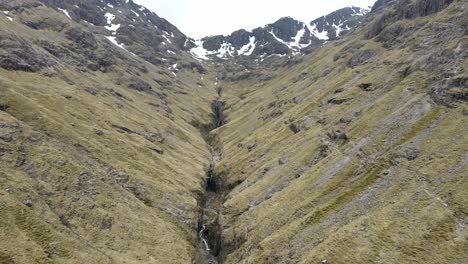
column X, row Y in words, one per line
column 286, row 36
column 131, row 27
column 101, row 159
column 118, row 145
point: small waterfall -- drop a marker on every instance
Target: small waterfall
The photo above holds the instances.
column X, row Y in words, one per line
column 209, row 232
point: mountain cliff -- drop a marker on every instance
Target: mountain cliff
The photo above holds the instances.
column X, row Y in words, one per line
column 342, row 140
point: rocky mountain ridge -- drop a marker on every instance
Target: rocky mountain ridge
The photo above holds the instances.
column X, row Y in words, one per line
column 284, row 37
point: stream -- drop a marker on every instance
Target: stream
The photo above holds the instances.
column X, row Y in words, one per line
column 209, row 233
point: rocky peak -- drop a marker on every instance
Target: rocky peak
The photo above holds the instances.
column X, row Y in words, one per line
column 286, row 28
column 339, row 22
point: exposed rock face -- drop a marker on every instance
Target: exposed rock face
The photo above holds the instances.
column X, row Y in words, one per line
column 411, row 9
column 20, row 55
column 286, row 29
column 406, row 9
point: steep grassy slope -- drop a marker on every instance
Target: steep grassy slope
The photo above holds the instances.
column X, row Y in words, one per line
column 358, row 154
column 98, row 164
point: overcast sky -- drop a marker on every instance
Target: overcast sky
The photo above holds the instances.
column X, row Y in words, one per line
column 200, row 18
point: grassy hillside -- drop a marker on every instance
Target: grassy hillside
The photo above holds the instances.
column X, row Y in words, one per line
column 97, row 165
column 356, row 155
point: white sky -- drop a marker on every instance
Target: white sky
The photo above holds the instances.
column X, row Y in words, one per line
column 200, row 18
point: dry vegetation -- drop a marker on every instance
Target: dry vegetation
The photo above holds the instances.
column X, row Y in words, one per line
column 356, row 154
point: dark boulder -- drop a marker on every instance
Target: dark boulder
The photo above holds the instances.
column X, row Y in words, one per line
column 336, row 101
column 3, row 107
column 121, row 177
column 294, row 128
column 338, row 136
column 251, row 146
column 366, row 86
column 157, row 150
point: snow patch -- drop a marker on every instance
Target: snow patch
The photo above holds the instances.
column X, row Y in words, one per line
column 89, row 23
column 138, row 15
column 198, row 51
column 295, row 45
column 226, row 49
column 113, row 28
column 113, row 40
column 110, row 17
column 249, row 48
column 320, row 35
column 65, row 12
column 361, row 12
column 168, row 40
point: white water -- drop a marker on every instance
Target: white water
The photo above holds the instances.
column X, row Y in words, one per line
column 202, row 237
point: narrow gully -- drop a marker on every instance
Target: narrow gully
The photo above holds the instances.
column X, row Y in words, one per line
column 209, row 232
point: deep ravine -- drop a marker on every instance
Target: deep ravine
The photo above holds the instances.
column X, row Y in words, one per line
column 209, row 232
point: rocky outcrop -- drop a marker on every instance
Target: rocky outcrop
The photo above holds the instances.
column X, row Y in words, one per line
column 403, row 10
column 20, row 55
